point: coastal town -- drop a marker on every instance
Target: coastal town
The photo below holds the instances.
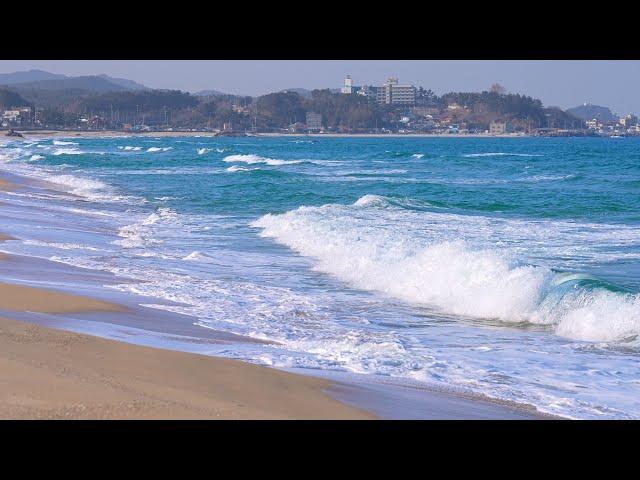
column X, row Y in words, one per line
column 390, row 108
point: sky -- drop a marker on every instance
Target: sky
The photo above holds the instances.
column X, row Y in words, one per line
column 562, row 83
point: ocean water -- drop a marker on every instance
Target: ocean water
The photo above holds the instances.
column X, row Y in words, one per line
column 503, row 267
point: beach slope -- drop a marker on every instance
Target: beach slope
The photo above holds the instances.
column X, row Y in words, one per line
column 54, row 374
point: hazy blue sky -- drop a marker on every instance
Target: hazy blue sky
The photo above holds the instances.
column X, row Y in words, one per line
column 615, row 84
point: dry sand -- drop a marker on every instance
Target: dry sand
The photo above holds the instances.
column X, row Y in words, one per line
column 49, row 374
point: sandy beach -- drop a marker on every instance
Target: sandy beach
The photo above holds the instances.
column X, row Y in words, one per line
column 53, row 374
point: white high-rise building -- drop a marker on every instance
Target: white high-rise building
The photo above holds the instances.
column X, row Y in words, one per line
column 348, row 85
column 392, row 93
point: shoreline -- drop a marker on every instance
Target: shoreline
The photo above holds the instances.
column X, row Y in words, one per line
column 119, row 133
column 32, row 341
column 52, row 373
column 56, row 374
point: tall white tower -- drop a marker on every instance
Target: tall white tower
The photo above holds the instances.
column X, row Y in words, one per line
column 348, row 85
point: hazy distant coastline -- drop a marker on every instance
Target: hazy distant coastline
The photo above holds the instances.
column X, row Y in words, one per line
column 119, row 133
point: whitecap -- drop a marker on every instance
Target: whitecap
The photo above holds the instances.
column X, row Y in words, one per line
column 453, row 276
column 252, row 159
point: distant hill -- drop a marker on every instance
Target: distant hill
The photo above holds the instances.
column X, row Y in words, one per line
column 588, row 112
column 303, row 92
column 211, row 93
column 28, row 76
column 43, row 98
column 95, row 84
column 50, row 90
column 10, row 99
column 41, row 80
column 123, row 82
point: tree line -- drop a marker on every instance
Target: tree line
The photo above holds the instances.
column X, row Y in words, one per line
column 280, row 110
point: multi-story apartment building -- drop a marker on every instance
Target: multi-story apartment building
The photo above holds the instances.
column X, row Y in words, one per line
column 314, row 121
column 391, row 93
column 499, row 128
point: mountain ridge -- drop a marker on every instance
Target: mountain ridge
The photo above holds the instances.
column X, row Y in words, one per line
column 43, row 80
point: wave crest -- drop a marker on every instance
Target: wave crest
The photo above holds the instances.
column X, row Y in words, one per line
column 252, row 159
column 453, row 276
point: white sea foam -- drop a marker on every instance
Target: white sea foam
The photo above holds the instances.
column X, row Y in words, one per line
column 61, row 246
column 252, row 159
column 417, row 155
column 203, row 151
column 130, row 148
column 501, row 154
column 60, row 142
column 236, row 168
column 158, row 149
column 141, row 233
column 453, row 276
column 547, row 178
column 369, row 199
column 78, row 185
column 35, row 158
column 195, row 256
column 68, row 151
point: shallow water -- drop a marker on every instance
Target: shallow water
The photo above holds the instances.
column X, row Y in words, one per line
column 504, row 267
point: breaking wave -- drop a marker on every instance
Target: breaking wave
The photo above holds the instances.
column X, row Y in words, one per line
column 141, row 234
column 452, row 275
column 80, row 186
column 501, row 154
column 252, row 159
column 158, row 149
column 236, row 168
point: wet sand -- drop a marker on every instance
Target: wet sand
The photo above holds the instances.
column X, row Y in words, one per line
column 20, row 298
column 6, row 186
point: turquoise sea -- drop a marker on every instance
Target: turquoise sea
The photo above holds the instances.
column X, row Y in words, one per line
column 507, row 267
